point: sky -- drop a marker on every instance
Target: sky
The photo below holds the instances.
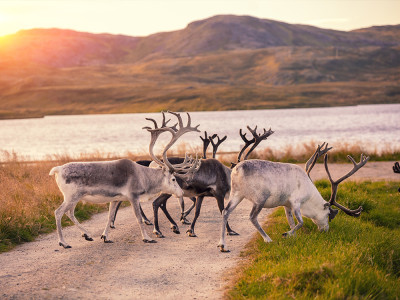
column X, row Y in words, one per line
column 144, row 17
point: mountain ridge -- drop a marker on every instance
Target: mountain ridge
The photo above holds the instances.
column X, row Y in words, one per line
column 219, row 63
column 66, row 48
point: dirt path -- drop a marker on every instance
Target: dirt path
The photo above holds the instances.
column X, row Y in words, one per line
column 177, row 267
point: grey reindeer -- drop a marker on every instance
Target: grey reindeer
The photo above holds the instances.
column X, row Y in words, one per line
column 118, row 180
column 271, row 184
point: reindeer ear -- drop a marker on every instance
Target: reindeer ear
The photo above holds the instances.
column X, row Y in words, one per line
column 332, row 213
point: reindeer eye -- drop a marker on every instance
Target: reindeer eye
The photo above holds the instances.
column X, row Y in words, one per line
column 173, row 179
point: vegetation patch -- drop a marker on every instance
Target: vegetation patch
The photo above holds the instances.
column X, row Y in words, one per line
column 359, row 258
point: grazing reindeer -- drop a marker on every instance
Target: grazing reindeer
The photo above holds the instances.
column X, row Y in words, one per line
column 113, row 181
column 271, row 184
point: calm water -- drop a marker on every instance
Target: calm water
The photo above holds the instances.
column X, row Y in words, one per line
column 373, row 126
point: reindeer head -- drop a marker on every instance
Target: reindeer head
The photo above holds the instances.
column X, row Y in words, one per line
column 323, row 221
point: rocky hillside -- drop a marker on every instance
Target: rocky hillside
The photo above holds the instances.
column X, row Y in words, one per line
column 224, row 62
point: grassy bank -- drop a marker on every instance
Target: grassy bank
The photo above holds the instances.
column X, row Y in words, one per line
column 356, row 259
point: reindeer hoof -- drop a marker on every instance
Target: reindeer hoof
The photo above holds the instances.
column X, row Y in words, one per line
column 147, row 222
column 159, row 234
column 112, row 226
column 149, row 241
column 285, row 234
column 175, row 229
column 191, row 233
column 232, row 233
column 222, row 249
column 88, row 238
column 104, row 238
column 65, row 246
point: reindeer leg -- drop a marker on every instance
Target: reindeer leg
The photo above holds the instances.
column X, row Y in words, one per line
column 174, row 226
column 235, row 200
column 289, row 217
column 220, row 202
column 299, row 218
column 257, row 207
column 71, row 216
column 134, row 200
column 199, row 201
column 59, row 212
column 184, row 214
column 144, row 218
column 114, row 213
column 70, row 201
column 156, row 204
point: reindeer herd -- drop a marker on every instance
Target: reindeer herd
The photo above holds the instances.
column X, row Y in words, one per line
column 266, row 184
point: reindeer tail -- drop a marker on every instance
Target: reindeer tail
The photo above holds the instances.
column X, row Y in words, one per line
column 54, row 170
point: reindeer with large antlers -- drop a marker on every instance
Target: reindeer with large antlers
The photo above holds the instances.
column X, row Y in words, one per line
column 271, row 184
column 114, row 181
column 206, row 142
column 212, row 180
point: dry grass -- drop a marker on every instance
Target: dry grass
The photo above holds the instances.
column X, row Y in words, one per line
column 302, row 152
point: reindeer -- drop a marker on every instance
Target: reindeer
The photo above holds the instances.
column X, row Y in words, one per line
column 272, row 184
column 206, row 141
column 118, row 180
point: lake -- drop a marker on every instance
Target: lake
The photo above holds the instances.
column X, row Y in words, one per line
column 374, row 127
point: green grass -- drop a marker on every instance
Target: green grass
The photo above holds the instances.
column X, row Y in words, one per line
column 359, row 258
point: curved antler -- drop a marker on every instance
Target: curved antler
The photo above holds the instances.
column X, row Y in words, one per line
column 216, row 145
column 334, row 184
column 189, row 165
column 258, row 138
column 317, row 154
column 247, row 143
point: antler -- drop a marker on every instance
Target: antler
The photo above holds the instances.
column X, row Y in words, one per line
column 216, row 145
column 247, row 143
column 206, row 142
column 189, row 164
column 317, row 154
column 396, row 167
column 334, row 184
column 155, row 133
column 257, row 138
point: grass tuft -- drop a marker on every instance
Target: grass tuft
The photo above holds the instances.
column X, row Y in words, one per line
column 357, row 258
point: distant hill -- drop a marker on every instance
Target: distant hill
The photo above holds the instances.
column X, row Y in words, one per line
column 64, row 48
column 223, row 62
